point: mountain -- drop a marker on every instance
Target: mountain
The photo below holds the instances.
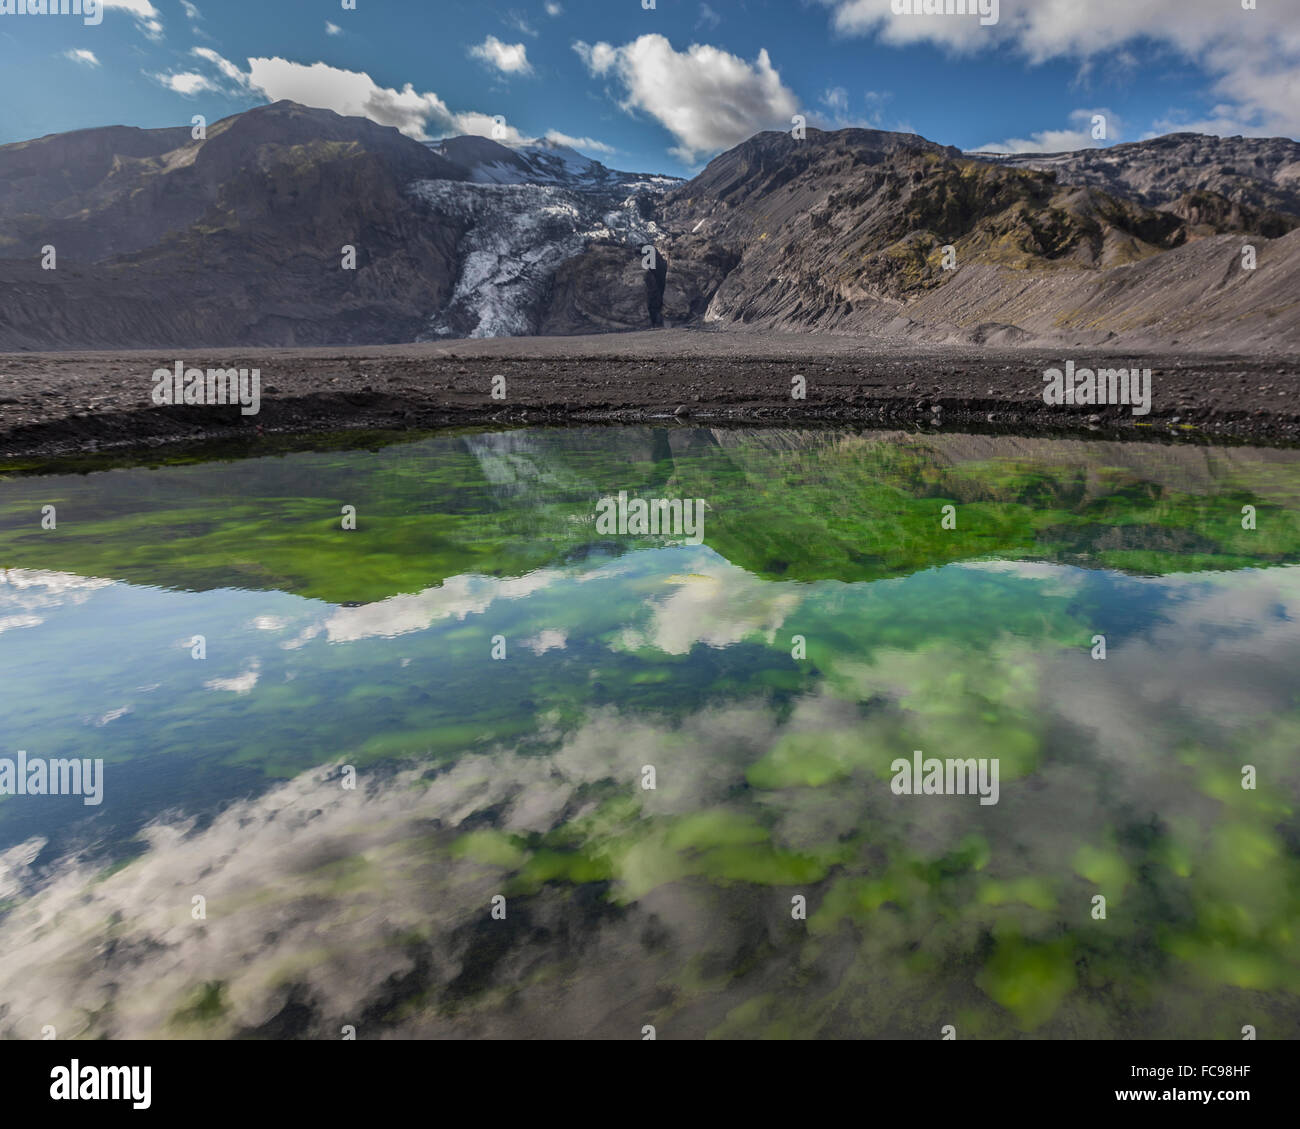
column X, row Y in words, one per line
column 162, row 239
column 1256, row 173
column 238, row 239
column 846, row 231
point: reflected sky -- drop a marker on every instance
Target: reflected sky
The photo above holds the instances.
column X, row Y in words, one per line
column 522, row 776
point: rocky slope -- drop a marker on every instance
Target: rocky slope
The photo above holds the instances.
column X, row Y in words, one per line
column 237, row 239
column 1255, row 172
column 846, row 231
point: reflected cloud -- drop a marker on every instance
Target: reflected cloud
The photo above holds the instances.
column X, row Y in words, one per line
column 240, row 683
column 327, row 906
column 10, row 622
column 30, row 589
column 717, row 605
column 459, row 597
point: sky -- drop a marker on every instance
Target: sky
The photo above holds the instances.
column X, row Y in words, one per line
column 666, row 88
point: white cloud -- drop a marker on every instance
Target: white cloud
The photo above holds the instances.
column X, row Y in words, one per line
column 225, row 66
column 188, row 83
column 112, row 715
column 422, row 116
column 509, row 58
column 482, row 125
column 707, row 98
column 553, row 9
column 548, row 640
column 353, row 93
column 708, row 17
column 41, row 588
column 517, row 21
column 239, row 684
column 579, row 142
column 332, row 29
column 191, row 10
column 839, row 113
column 147, row 17
column 458, row 596
column 836, row 100
column 1060, row 140
column 81, row 55
column 716, row 604
column 8, row 622
column 1253, row 57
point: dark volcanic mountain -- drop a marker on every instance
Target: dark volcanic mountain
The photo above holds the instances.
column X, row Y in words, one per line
column 1262, row 173
column 163, row 240
column 238, row 239
column 845, row 231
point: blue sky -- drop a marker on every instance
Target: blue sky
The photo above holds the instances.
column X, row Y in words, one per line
column 665, row 89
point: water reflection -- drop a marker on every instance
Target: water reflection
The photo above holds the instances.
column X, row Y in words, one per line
column 522, row 776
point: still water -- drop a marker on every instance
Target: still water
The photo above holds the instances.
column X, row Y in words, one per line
column 501, row 682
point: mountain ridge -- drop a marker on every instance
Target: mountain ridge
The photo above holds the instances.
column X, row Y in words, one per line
column 238, row 238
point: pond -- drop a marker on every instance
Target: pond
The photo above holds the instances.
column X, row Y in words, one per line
column 396, row 736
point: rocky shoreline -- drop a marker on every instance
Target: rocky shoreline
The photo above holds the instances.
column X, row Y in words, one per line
column 54, row 404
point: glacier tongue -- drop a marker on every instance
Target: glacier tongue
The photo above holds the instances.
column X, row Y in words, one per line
column 516, row 237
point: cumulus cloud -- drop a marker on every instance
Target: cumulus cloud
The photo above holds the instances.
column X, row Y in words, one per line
column 482, row 125
column 716, row 604
column 225, row 66
column 548, row 640
column 553, row 9
column 508, row 58
column 81, row 55
column 396, row 873
column 1060, row 140
column 240, row 683
column 352, row 93
column 458, row 597
column 147, row 17
column 187, row 83
column 1252, row 56
column 707, row 98
column 332, row 29
column 27, row 588
column 422, row 116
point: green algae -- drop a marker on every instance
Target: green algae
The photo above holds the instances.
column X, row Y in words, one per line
column 373, row 648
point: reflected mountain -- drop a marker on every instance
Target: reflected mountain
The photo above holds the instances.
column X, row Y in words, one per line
column 797, row 505
column 499, row 678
